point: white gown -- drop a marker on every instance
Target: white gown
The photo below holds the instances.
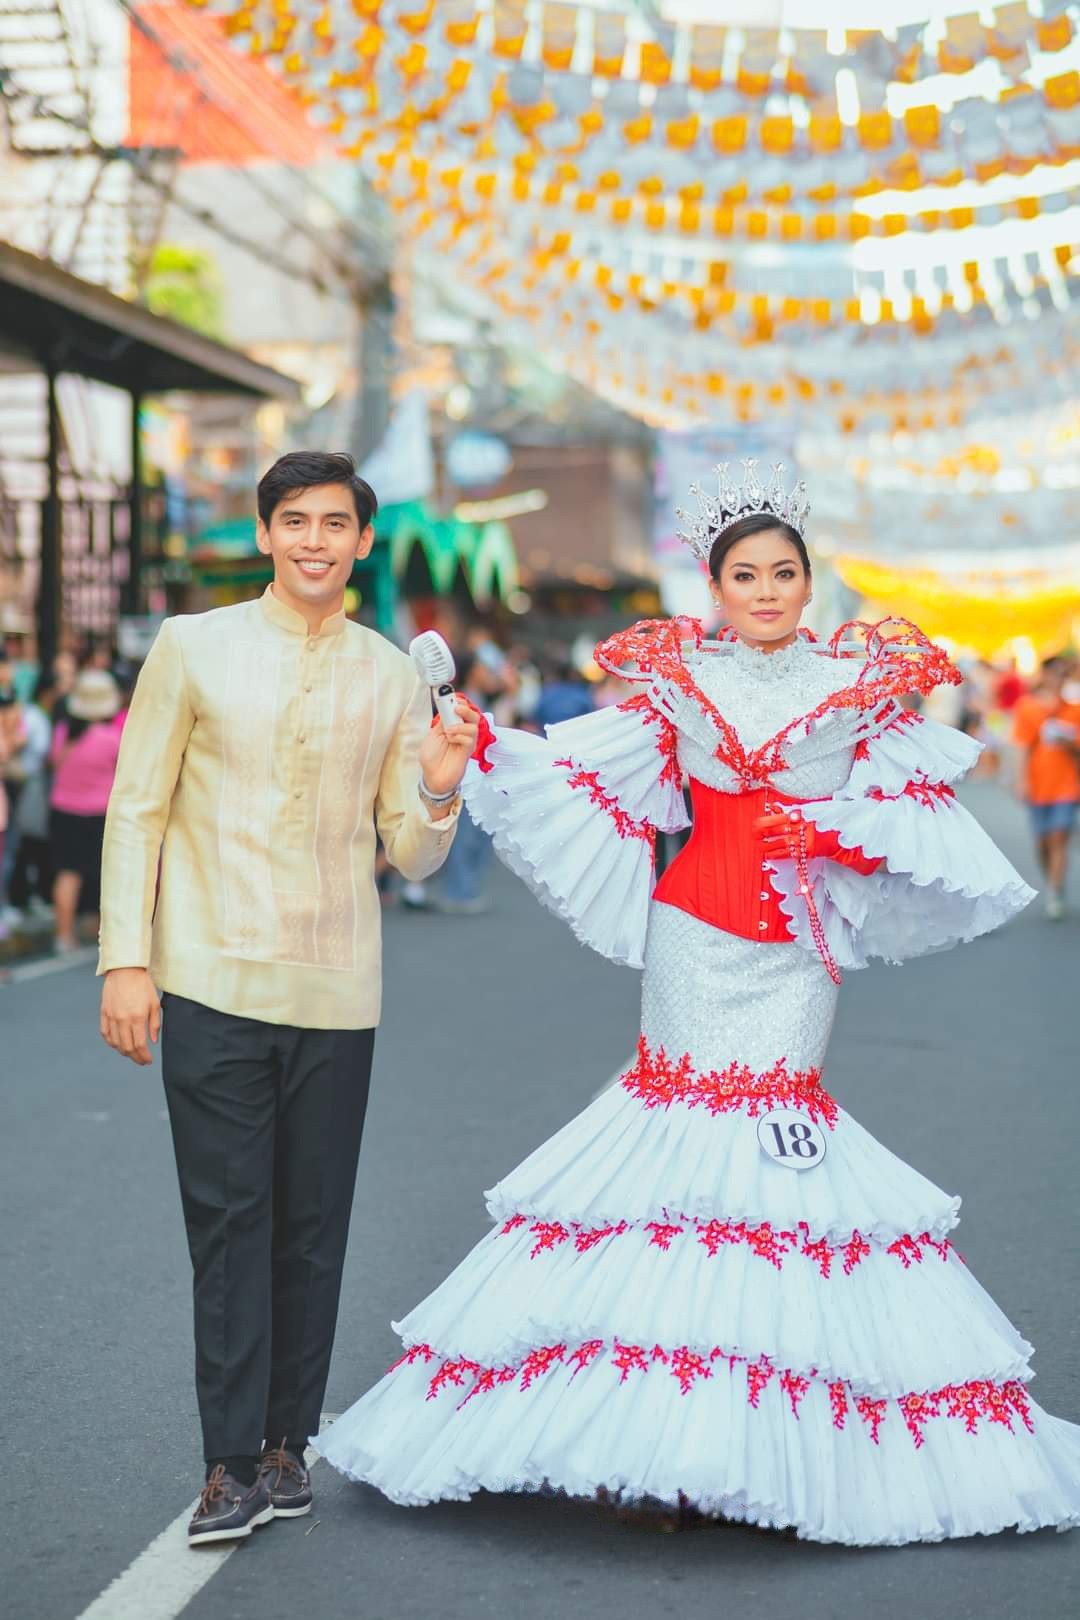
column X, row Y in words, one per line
column 661, row 1310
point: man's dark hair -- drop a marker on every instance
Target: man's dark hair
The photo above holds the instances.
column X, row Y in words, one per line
column 307, row 469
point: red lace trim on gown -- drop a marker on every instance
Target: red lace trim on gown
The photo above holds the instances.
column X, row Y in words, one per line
column 658, row 1081
column 980, row 1399
column 766, row 1241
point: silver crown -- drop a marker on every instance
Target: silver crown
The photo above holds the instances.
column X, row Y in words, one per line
column 716, row 513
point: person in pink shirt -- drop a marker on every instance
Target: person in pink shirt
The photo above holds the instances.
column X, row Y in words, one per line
column 84, row 752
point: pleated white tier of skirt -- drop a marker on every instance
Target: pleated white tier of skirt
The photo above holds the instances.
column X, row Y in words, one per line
column 663, row 1313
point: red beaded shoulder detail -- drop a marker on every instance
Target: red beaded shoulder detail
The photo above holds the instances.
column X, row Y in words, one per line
column 653, row 646
column 667, row 738
column 895, row 666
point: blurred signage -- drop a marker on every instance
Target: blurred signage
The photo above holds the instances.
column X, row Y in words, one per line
column 403, row 468
column 474, row 459
column 502, row 507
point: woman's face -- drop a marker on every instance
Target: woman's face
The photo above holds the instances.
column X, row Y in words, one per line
column 763, row 589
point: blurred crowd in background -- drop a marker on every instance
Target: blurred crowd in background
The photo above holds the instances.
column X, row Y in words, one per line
column 60, row 733
column 539, row 267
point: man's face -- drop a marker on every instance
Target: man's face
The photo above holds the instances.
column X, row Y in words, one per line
column 314, row 537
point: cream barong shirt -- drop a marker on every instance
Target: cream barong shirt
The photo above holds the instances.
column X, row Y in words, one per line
column 259, row 759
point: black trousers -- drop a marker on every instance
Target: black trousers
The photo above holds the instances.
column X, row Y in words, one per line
column 266, row 1123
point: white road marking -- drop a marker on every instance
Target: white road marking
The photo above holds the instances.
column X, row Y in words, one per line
column 616, row 1077
column 52, row 964
column 166, row 1575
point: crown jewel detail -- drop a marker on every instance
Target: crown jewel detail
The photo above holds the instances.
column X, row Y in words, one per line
column 733, row 501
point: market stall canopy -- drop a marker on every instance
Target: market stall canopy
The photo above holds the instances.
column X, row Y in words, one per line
column 53, row 319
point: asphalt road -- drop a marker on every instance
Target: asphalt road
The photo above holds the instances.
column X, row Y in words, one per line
column 496, row 1030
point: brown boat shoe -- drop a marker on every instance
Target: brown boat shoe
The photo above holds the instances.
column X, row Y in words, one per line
column 228, row 1510
column 287, row 1481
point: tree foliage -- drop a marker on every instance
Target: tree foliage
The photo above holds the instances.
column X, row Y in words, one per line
column 185, row 285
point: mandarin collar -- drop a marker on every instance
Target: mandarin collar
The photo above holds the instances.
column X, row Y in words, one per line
column 285, row 618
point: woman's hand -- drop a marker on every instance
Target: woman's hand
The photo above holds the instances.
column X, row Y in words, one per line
column 445, row 752
column 789, row 835
column 786, row 834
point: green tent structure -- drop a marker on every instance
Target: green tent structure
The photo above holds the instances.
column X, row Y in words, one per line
column 446, row 550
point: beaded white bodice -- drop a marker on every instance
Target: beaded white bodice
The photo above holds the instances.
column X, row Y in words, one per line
column 758, row 694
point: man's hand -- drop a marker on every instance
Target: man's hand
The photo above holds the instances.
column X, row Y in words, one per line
column 445, row 752
column 130, row 1011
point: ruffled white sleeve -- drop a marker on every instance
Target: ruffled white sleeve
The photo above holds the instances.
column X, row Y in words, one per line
column 941, row 881
column 575, row 815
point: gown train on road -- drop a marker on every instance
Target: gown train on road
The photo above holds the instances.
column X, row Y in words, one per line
column 660, row 1311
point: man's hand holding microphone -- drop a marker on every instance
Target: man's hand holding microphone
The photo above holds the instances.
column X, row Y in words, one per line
column 452, row 740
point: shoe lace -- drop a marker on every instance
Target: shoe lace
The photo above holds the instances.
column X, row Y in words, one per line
column 214, row 1489
column 283, row 1462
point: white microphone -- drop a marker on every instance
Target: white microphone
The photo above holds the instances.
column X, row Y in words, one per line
column 435, row 662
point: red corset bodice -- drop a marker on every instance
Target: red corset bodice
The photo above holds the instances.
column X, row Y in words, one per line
column 720, row 875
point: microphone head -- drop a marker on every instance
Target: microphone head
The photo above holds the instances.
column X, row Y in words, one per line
column 433, row 658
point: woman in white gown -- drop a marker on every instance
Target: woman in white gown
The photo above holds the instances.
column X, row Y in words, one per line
column 713, row 1286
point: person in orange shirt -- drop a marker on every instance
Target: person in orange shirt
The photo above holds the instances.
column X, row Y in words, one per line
column 1046, row 723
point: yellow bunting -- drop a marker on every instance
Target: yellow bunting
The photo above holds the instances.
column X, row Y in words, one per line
column 655, row 64
column 707, row 57
column 510, row 28
column 923, row 125
column 875, row 131
column 682, row 133
column 1055, row 34
column 826, row 132
column 777, row 135
column 637, row 130
column 609, row 45
column 416, row 22
column 981, row 613
column 729, row 134
column 1063, row 90
column 559, row 36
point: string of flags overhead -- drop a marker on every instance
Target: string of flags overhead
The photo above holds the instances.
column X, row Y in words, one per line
column 726, row 199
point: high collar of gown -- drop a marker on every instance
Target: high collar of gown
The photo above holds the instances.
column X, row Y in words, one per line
column 760, row 692
column 781, row 665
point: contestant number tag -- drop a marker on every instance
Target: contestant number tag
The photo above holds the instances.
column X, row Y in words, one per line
column 791, row 1140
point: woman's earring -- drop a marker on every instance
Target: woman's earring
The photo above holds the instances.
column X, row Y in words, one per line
column 810, row 598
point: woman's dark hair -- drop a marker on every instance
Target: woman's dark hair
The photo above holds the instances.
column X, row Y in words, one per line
column 307, row 469
column 758, row 523
column 75, row 728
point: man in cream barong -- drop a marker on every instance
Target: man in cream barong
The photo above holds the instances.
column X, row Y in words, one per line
column 266, row 745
